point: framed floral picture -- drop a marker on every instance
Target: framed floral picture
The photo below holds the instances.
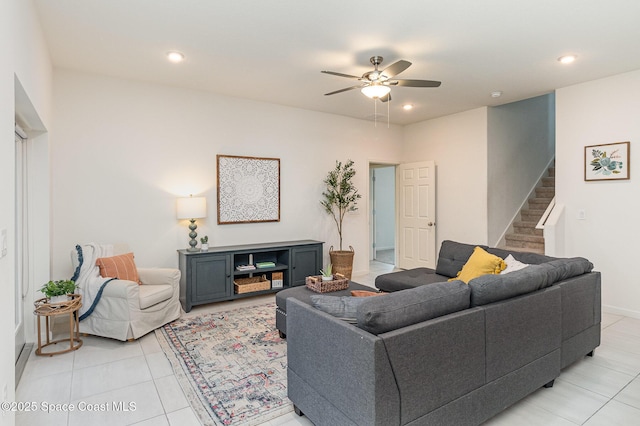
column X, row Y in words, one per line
column 606, row 162
column 248, row 189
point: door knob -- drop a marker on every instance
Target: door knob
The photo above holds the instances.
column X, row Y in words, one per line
column 431, row 224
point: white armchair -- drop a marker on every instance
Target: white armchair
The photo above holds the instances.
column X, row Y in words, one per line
column 128, row 310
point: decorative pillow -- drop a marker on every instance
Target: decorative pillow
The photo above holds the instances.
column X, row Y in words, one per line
column 480, row 263
column 121, row 267
column 365, row 293
column 412, row 306
column 343, row 307
column 513, row 265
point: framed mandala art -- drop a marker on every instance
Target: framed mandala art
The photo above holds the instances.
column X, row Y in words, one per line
column 606, row 162
column 248, row 189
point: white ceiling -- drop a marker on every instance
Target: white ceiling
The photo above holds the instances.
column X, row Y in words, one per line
column 274, row 50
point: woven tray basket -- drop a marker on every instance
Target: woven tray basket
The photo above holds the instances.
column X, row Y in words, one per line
column 247, row 285
column 315, row 283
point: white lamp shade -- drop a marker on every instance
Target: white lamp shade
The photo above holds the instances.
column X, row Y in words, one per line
column 375, row 91
column 192, row 208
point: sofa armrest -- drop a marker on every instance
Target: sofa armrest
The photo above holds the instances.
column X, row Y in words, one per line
column 121, row 289
column 333, row 365
column 151, row 276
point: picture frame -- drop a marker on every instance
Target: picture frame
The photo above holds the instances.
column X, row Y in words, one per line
column 248, row 189
column 609, row 161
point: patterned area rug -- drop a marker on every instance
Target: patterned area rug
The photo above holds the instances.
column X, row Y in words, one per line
column 231, row 365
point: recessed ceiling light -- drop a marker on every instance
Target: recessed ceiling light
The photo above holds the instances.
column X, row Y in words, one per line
column 175, row 57
column 567, row 59
column 496, row 94
column 407, row 107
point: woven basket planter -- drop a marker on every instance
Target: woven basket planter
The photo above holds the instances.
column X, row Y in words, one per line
column 342, row 261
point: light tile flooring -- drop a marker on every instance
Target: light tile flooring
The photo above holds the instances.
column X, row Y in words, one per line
column 603, row 390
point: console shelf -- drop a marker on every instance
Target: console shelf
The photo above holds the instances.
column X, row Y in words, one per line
column 207, row 276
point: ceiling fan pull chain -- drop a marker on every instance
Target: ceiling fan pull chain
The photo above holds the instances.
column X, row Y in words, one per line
column 375, row 113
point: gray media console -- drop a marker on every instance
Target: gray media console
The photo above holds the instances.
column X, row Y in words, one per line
column 208, row 276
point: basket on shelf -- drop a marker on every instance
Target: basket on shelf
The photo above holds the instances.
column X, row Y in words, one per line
column 315, row 283
column 250, row 284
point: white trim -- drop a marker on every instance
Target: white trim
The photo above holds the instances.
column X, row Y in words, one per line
column 621, row 311
column 20, row 132
column 545, row 215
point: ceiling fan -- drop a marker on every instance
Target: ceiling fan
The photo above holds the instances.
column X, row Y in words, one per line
column 376, row 84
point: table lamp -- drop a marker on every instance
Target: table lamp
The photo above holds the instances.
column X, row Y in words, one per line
column 192, row 208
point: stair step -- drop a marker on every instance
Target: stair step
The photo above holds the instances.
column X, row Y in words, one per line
column 527, row 228
column 552, row 171
column 539, row 203
column 529, row 215
column 545, row 191
column 525, row 249
column 525, row 241
column 525, row 238
column 548, row 182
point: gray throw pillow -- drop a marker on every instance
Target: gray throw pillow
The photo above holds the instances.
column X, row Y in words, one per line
column 343, row 307
column 406, row 307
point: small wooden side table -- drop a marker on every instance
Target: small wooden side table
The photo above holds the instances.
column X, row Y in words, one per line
column 48, row 310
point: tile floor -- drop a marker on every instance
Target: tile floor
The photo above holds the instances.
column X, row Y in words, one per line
column 603, row 390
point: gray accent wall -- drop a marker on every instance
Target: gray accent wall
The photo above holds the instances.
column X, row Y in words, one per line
column 520, row 145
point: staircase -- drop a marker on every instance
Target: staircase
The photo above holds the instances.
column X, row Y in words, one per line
column 525, row 236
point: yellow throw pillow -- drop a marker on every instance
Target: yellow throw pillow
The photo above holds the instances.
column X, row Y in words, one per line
column 480, row 263
column 121, row 267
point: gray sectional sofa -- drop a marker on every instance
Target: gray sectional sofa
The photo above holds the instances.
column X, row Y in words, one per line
column 438, row 352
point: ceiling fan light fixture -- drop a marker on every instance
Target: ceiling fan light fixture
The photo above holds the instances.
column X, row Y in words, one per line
column 567, row 59
column 175, row 57
column 375, row 91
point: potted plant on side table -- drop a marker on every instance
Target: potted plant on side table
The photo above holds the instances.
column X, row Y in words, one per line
column 205, row 243
column 340, row 197
column 58, row 291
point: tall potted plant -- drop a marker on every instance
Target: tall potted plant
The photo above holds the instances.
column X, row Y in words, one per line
column 339, row 197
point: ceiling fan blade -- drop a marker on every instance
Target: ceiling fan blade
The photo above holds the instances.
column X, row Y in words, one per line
column 395, row 68
column 385, row 98
column 343, row 90
column 339, row 74
column 416, row 83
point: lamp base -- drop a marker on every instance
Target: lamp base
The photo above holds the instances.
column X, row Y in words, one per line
column 193, row 243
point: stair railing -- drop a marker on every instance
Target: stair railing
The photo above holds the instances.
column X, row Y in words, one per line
column 546, row 214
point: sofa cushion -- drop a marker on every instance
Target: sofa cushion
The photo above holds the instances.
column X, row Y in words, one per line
column 410, row 278
column 480, row 263
column 402, row 308
column 343, row 307
column 453, row 256
column 152, row 294
column 122, row 267
column 562, row 269
column 491, row 288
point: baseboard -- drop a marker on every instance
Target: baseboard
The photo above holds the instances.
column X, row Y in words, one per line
column 621, row 311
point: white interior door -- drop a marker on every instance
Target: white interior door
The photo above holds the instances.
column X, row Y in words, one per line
column 416, row 215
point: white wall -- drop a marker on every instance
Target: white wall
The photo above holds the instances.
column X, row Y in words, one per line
column 458, row 145
column 26, row 59
column 123, row 151
column 521, row 143
column 599, row 112
column 7, row 221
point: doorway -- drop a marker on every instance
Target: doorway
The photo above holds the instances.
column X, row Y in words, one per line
column 21, row 249
column 383, row 213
